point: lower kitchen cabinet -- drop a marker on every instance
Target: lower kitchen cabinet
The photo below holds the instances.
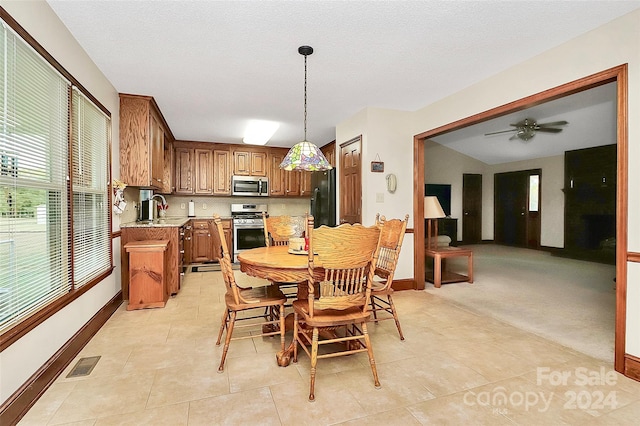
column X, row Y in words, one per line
column 202, row 246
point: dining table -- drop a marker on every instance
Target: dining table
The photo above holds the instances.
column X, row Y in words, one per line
column 280, row 264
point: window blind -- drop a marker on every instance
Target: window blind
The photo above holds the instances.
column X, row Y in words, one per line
column 91, row 236
column 34, row 236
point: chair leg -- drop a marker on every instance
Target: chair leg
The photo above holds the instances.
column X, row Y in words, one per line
column 232, row 321
column 314, row 362
column 372, row 361
column 374, row 309
column 282, row 328
column 295, row 337
column 225, row 316
column 395, row 316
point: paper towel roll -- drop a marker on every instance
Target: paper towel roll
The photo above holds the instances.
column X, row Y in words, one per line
column 192, row 209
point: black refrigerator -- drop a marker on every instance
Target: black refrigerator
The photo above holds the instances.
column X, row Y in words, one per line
column 323, row 197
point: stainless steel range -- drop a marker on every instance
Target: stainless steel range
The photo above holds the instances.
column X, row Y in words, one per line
column 248, row 228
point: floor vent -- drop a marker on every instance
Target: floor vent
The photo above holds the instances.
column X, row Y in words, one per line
column 84, row 366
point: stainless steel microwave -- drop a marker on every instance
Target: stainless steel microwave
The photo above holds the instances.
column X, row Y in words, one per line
column 250, row 186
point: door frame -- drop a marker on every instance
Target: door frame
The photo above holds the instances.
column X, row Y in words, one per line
column 618, row 74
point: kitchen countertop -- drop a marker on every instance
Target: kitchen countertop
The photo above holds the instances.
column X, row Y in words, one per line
column 165, row 222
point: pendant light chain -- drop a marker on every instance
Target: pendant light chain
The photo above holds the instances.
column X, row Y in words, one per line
column 305, row 97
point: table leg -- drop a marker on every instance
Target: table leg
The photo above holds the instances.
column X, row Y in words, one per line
column 437, row 271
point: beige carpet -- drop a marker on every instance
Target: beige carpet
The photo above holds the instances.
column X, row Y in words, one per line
column 571, row 302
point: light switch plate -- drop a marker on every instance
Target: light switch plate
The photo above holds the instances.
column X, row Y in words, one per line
column 204, row 206
column 182, row 206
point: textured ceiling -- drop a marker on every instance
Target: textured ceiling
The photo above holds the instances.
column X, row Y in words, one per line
column 214, row 65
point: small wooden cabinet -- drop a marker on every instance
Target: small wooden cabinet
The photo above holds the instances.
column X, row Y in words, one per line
column 203, row 246
column 221, row 172
column 143, row 134
column 329, row 151
column 140, row 233
column 250, row 162
column 147, row 274
column 276, row 174
column 183, row 170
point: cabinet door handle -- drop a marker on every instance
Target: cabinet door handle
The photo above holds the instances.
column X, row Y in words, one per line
column 181, row 251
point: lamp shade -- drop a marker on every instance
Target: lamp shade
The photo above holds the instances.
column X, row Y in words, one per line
column 305, row 156
column 432, row 208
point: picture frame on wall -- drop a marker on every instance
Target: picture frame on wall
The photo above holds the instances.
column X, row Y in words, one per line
column 377, row 166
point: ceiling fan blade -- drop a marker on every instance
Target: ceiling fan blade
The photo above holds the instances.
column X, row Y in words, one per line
column 515, row 136
column 501, row 131
column 555, row 123
column 548, row 130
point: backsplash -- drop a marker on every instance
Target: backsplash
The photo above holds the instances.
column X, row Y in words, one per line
column 208, row 206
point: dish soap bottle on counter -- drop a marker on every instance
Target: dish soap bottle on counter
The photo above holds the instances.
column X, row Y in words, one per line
column 192, row 209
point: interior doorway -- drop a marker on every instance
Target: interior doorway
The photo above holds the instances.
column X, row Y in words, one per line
column 471, row 208
column 517, row 208
column 618, row 75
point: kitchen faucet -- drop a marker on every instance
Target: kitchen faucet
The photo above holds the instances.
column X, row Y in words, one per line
column 164, row 201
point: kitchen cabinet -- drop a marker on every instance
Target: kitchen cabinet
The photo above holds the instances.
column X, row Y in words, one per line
column 276, row 174
column 292, row 183
column 167, row 177
column 203, row 172
column 187, row 238
column 329, row 151
column 204, row 247
column 143, row 132
column 305, row 184
column 173, row 255
column 249, row 162
column 221, row 172
column 183, row 170
column 201, row 243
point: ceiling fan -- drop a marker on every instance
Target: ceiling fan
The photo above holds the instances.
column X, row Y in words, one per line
column 527, row 128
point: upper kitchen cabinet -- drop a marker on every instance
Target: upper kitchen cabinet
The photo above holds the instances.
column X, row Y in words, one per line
column 184, row 163
column 276, row 174
column 221, row 172
column 250, row 162
column 203, row 172
column 143, row 135
column 329, row 151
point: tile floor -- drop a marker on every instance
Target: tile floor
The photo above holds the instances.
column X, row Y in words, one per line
column 159, row 367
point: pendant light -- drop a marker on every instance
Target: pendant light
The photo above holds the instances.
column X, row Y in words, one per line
column 305, row 155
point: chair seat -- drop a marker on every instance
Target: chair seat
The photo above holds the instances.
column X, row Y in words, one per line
column 379, row 288
column 256, row 297
column 330, row 317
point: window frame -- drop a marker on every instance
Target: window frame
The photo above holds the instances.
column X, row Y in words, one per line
column 13, row 334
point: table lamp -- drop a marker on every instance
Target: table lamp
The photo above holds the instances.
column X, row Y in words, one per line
column 432, row 211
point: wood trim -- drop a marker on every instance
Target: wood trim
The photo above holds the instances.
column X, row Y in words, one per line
column 633, row 257
column 617, row 74
column 17, row 405
column 418, row 212
column 632, row 367
column 403, row 284
column 116, row 234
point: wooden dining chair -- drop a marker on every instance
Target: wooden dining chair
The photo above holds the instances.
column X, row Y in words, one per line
column 269, row 299
column 277, row 232
column 391, row 236
column 339, row 306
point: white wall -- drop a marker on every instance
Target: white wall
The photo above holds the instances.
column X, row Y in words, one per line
column 613, row 44
column 20, row 360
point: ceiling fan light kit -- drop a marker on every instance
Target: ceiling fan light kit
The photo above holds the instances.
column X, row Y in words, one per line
column 526, row 129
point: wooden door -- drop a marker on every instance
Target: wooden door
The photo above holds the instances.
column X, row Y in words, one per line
column 203, row 172
column 351, row 181
column 517, row 220
column 183, row 181
column 471, row 208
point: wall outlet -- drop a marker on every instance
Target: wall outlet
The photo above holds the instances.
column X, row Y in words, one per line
column 380, row 197
column 182, row 206
column 204, row 206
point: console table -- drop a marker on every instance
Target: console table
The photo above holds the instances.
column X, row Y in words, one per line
column 440, row 275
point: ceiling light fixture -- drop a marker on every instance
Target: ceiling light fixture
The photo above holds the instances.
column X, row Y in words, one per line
column 259, row 132
column 305, row 155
